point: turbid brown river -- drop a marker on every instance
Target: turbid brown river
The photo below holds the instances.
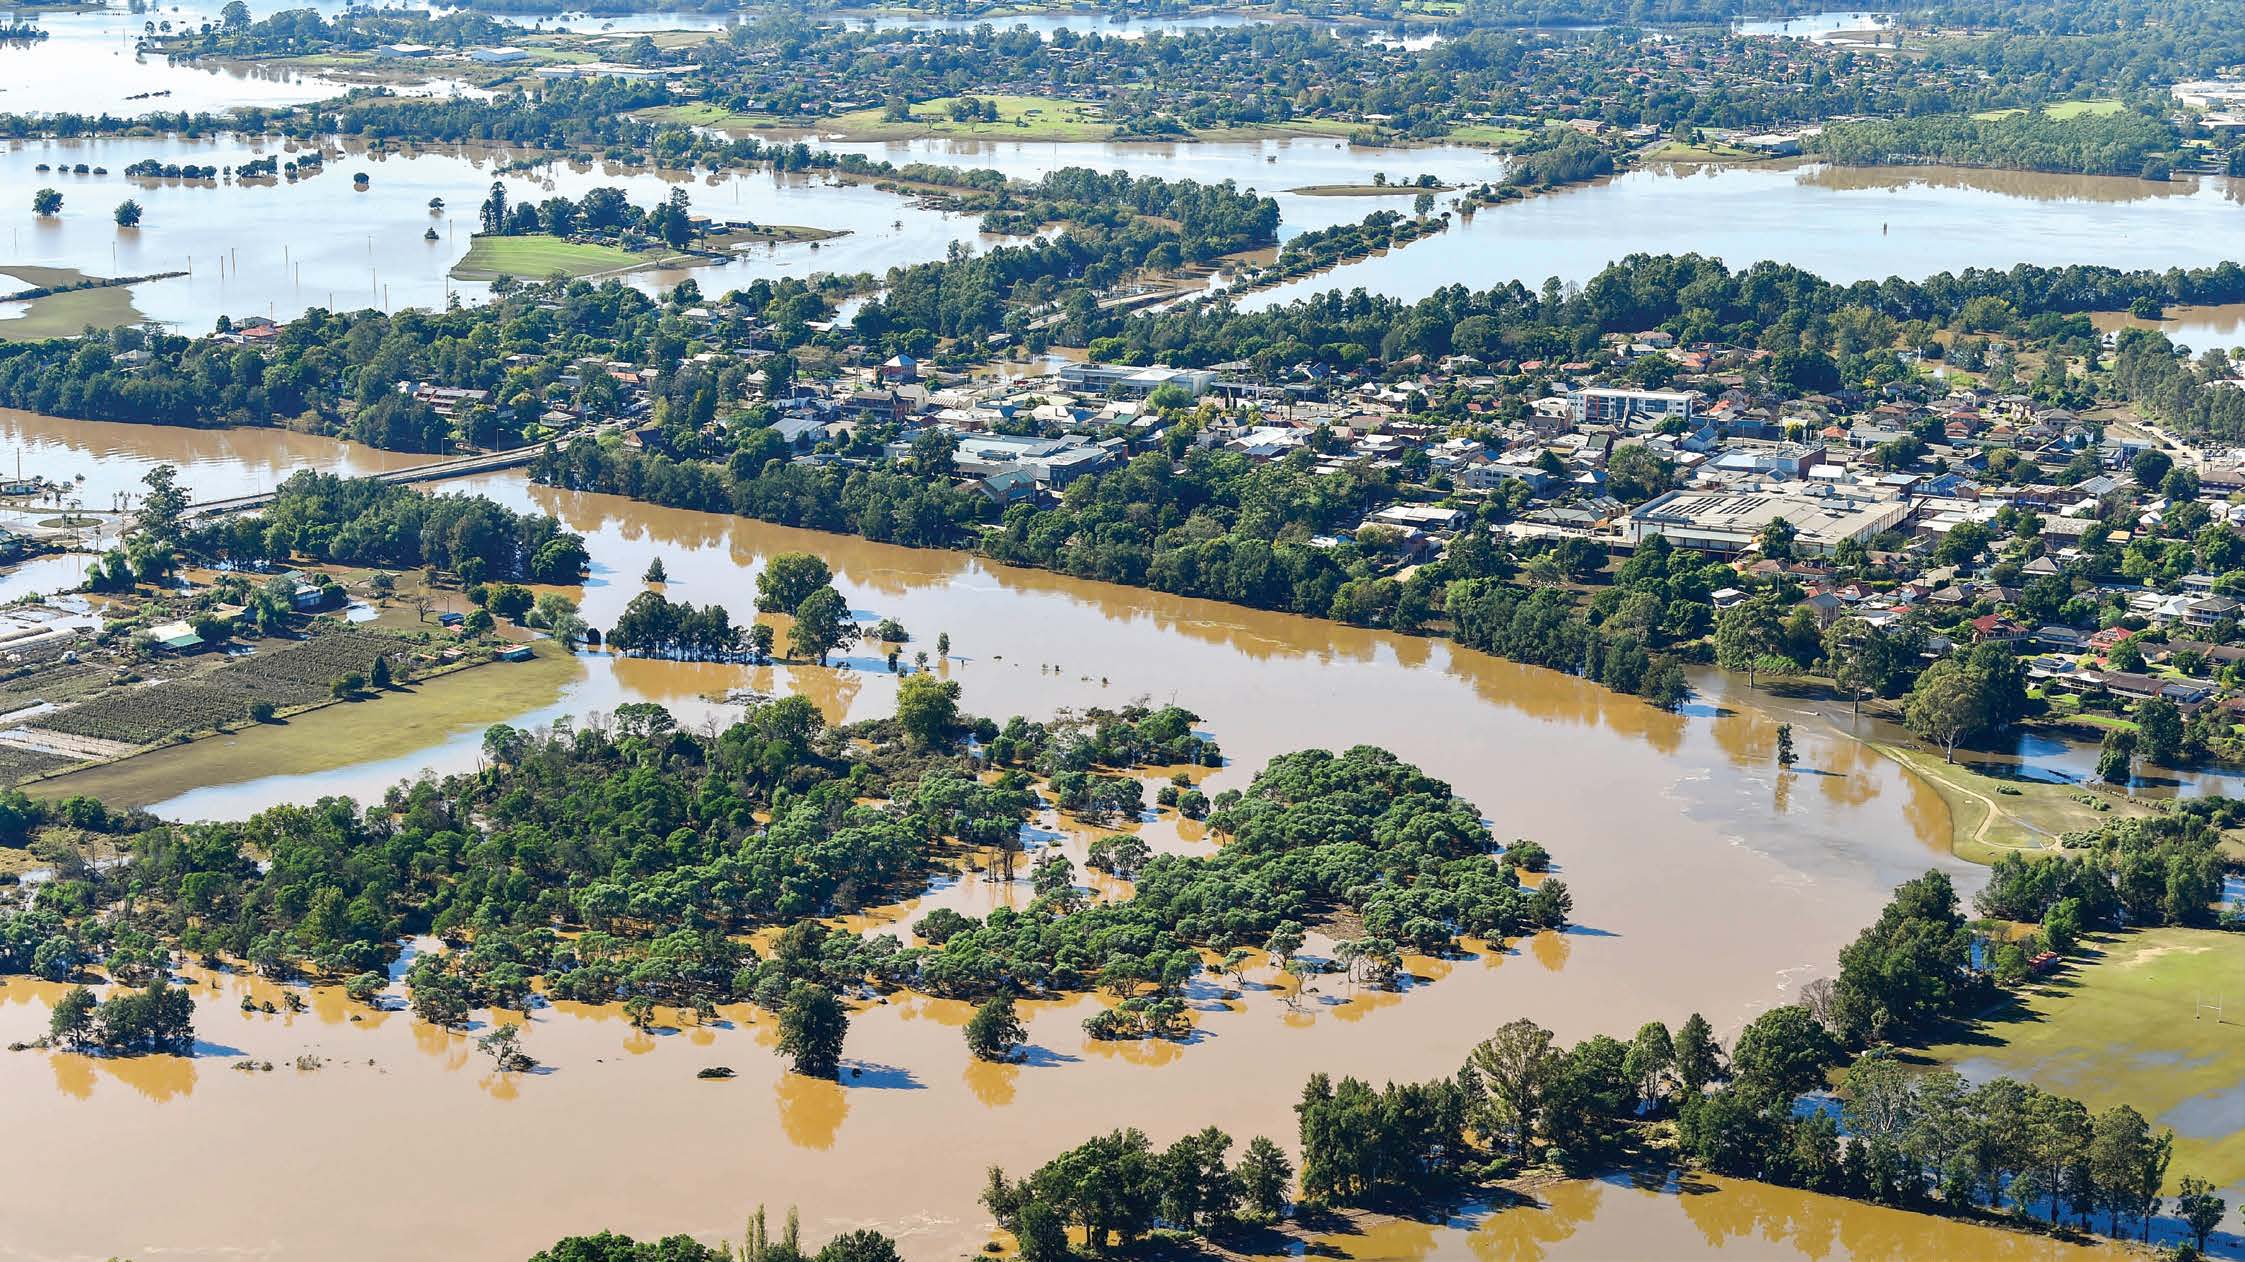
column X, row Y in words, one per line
column 1703, row 880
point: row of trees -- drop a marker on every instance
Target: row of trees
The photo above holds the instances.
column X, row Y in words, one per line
column 2121, row 142
column 365, row 521
column 1898, row 1135
column 600, row 214
column 1117, row 1187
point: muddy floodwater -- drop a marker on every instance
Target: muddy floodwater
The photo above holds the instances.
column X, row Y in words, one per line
column 100, row 462
column 1703, row 879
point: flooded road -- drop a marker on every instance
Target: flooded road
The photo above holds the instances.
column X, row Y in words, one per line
column 1703, row 879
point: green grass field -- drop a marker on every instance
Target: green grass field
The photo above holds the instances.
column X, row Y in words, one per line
column 2120, row 1028
column 343, row 734
column 707, row 114
column 1488, row 134
column 1985, row 821
column 1708, row 151
column 2059, row 110
column 1019, row 118
column 1339, row 128
column 69, row 314
column 537, row 256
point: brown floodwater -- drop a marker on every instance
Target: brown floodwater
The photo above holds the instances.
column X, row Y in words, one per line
column 2216, row 325
column 1704, row 879
column 101, row 460
column 1696, row 1216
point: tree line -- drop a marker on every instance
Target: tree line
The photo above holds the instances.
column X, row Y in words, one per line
column 1523, row 1102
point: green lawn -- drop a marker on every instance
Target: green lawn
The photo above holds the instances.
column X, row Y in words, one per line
column 2059, row 110
column 537, row 256
column 1019, row 118
column 1489, row 134
column 2122, row 1028
column 1340, row 128
column 1988, row 816
column 1706, row 151
column 707, row 114
column 68, row 314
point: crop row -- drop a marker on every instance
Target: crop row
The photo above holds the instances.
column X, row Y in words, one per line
column 295, row 676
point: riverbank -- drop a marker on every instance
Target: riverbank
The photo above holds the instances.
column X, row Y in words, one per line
column 1016, row 118
column 1991, row 817
column 327, row 735
column 1692, row 1216
column 1371, row 190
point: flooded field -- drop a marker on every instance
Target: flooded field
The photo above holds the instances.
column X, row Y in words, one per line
column 2199, row 328
column 90, row 63
column 1657, row 820
column 246, row 253
column 246, row 250
column 1843, row 223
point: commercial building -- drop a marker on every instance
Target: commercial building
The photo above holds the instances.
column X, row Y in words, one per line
column 2211, row 93
column 1732, row 521
column 1607, row 405
column 1133, row 381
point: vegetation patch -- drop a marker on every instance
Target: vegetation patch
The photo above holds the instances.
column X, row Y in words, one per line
column 709, row 114
column 538, row 255
column 288, row 678
column 1370, row 190
column 1013, row 117
column 70, row 313
column 1495, row 134
column 1988, row 816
